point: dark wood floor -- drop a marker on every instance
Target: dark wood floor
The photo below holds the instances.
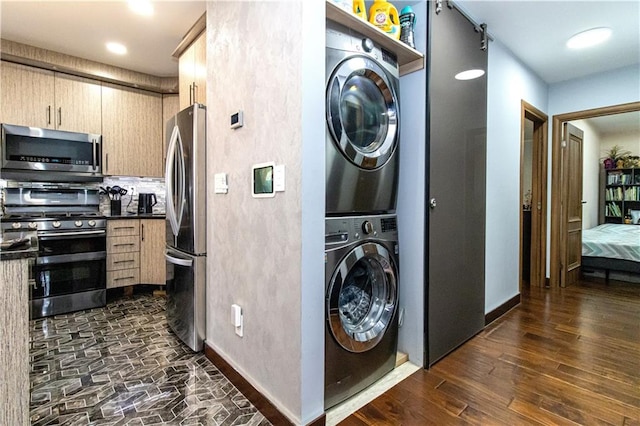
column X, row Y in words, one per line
column 563, row 356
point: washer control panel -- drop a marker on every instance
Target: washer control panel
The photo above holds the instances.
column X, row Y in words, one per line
column 346, row 230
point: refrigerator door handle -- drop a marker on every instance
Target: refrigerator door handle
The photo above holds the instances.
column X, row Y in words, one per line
column 183, row 180
column 169, row 180
column 180, row 262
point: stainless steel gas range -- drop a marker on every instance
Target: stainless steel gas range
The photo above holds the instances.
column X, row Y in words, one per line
column 69, row 272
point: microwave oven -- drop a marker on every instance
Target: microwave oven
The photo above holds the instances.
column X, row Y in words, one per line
column 45, row 155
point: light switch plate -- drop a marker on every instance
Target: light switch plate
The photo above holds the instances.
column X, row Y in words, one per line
column 278, row 178
column 220, row 183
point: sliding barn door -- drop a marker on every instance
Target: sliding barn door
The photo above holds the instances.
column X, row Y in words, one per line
column 457, row 115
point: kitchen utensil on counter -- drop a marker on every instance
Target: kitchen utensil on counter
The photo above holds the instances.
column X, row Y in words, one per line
column 146, row 201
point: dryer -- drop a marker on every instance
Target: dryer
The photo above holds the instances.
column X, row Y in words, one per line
column 362, row 118
column 361, row 302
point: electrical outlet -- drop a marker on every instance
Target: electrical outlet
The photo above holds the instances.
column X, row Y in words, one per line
column 237, row 319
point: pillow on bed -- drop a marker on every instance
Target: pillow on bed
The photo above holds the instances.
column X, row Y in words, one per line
column 635, row 217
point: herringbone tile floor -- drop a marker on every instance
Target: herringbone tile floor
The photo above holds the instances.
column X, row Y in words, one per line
column 121, row 365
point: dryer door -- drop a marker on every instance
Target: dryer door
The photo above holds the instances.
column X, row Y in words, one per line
column 362, row 112
column 361, row 297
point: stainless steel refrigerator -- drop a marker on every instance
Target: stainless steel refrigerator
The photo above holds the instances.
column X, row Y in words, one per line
column 186, row 225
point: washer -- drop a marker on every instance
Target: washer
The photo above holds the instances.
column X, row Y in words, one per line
column 361, row 285
column 362, row 116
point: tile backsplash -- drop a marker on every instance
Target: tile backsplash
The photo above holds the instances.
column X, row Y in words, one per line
column 130, row 200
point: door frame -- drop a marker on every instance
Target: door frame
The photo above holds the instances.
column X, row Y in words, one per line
column 539, row 160
column 557, row 275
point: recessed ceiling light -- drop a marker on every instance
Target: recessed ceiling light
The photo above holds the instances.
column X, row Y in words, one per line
column 589, row 38
column 141, row 7
column 117, row 48
column 469, row 74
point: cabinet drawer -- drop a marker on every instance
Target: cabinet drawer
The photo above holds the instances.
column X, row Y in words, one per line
column 118, row 261
column 123, row 277
column 123, row 244
column 118, row 228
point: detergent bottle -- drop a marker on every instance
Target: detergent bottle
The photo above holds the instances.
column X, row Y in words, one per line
column 384, row 15
column 359, row 9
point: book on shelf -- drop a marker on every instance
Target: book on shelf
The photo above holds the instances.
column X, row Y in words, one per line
column 632, row 194
column 614, row 194
column 613, row 210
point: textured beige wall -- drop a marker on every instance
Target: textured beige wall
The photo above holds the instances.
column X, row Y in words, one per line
column 254, row 63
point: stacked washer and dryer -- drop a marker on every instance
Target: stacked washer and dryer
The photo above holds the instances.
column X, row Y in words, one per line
column 361, row 237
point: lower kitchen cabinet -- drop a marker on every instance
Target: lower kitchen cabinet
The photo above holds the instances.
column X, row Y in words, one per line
column 123, row 253
column 135, row 252
column 153, row 266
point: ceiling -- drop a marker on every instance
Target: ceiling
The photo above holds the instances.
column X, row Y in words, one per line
column 536, row 32
column 81, row 28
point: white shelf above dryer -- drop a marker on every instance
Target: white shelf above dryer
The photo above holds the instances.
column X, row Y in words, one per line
column 409, row 60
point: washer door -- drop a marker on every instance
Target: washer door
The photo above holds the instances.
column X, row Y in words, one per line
column 362, row 112
column 361, row 298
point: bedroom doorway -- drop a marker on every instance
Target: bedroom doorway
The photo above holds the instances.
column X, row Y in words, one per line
column 559, row 275
column 533, row 190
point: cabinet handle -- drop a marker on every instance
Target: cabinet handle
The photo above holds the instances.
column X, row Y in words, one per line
column 142, row 231
column 49, row 114
column 59, row 116
column 106, row 162
column 191, row 94
column 123, row 261
column 124, row 278
column 123, row 244
column 123, row 227
column 195, row 87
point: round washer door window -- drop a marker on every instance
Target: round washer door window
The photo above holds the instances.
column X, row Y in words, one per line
column 362, row 112
column 361, row 299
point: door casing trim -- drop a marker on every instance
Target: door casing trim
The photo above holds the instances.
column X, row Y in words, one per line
column 556, row 241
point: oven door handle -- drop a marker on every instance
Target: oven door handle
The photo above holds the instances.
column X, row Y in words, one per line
column 71, row 258
column 73, row 234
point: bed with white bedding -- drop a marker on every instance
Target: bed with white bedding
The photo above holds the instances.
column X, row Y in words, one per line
column 612, row 247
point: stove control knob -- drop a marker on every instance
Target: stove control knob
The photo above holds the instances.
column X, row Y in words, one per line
column 367, row 227
column 91, row 223
column 56, row 224
column 78, row 223
column 33, row 225
column 16, row 225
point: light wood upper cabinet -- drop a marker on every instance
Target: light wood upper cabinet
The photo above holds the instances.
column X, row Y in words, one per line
column 27, row 95
column 131, row 132
column 152, row 246
column 78, row 106
column 192, row 73
column 40, row 98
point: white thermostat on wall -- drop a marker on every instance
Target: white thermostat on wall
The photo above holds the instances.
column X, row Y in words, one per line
column 237, row 119
column 262, row 180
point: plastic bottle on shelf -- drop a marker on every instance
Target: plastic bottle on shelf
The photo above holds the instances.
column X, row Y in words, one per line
column 344, row 4
column 359, row 9
column 407, row 24
column 384, row 15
